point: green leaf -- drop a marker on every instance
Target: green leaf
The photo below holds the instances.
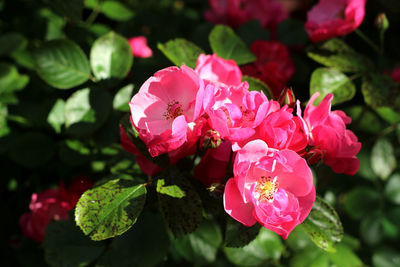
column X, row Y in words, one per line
column 326, row 81
column 371, row 229
column 258, row 85
column 181, row 52
column 183, row 215
column 323, row 225
column 237, row 235
column 62, row 64
column 11, row 80
column 369, row 122
column 267, row 247
column 10, row 42
column 56, row 115
column 337, row 54
column 170, row 190
column 310, row 258
column 86, row 110
column 226, row 44
column 65, row 245
column 4, row 130
column 145, row 244
column 392, row 189
column 72, row 8
column 110, row 209
column 386, row 258
column 252, row 31
column 111, row 57
column 74, row 152
column 116, row 11
column 359, row 202
column 291, row 32
column 202, row 245
column 383, row 160
column 122, row 98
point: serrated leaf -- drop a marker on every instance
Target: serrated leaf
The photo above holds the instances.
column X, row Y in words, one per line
column 62, row 64
column 111, row 57
column 266, row 247
column 226, row 44
column 258, row 85
column 323, row 225
column 122, row 98
column 183, row 215
column 237, row 235
column 202, row 245
column 56, row 115
column 110, row 209
column 181, row 52
column 170, row 190
column 383, row 160
column 326, row 81
column 337, row 54
column 65, row 245
column 10, row 42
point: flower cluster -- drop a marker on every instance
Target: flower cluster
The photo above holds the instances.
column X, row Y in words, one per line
column 52, row 205
column 180, row 110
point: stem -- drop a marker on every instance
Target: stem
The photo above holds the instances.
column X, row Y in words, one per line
column 387, row 130
column 96, row 11
column 368, row 41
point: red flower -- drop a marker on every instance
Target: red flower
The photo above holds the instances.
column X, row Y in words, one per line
column 331, row 18
column 273, row 65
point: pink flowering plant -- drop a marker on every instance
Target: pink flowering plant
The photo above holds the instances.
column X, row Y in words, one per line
column 200, row 133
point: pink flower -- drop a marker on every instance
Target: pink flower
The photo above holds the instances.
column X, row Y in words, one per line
column 52, row 205
column 331, row 18
column 395, row 74
column 274, row 188
column 139, row 47
column 327, row 132
column 236, row 12
column 273, row 65
column 166, row 109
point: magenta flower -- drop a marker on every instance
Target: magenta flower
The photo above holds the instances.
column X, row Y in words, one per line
column 274, row 188
column 327, row 132
column 166, row 109
column 139, row 47
column 332, row 18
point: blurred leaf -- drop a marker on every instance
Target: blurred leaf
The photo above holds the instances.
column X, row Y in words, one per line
column 74, row 152
column 337, row 54
column 11, row 80
column 267, row 247
column 291, row 32
column 383, row 160
column 112, row 9
column 122, row 98
column 310, row 258
column 392, row 189
column 345, row 257
column 252, row 31
column 56, row 115
column 170, row 190
column 110, row 209
column 299, row 240
column 86, row 110
column 24, row 58
column 359, row 202
column 181, row 52
column 10, row 42
column 258, row 85
column 323, row 225
column 326, row 81
column 4, row 130
column 369, row 122
column 65, row 245
column 226, row 44
column 111, row 57
column 365, row 164
column 62, row 64
column 32, row 149
column 71, row 9
column 386, row 258
column 145, row 244
column 237, row 235
column 201, row 246
column 183, row 215
column 371, row 229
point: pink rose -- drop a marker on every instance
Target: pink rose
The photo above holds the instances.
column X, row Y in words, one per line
column 332, row 18
column 139, row 47
column 166, row 109
column 274, row 188
column 327, row 132
column 273, row 65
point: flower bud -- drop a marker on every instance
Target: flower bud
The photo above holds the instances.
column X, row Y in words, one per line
column 211, row 139
column 287, row 98
column 314, row 155
column 382, row 22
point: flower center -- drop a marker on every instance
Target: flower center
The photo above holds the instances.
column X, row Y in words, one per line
column 174, row 110
column 266, row 188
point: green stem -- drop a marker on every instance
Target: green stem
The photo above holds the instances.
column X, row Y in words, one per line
column 96, row 11
column 368, row 41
